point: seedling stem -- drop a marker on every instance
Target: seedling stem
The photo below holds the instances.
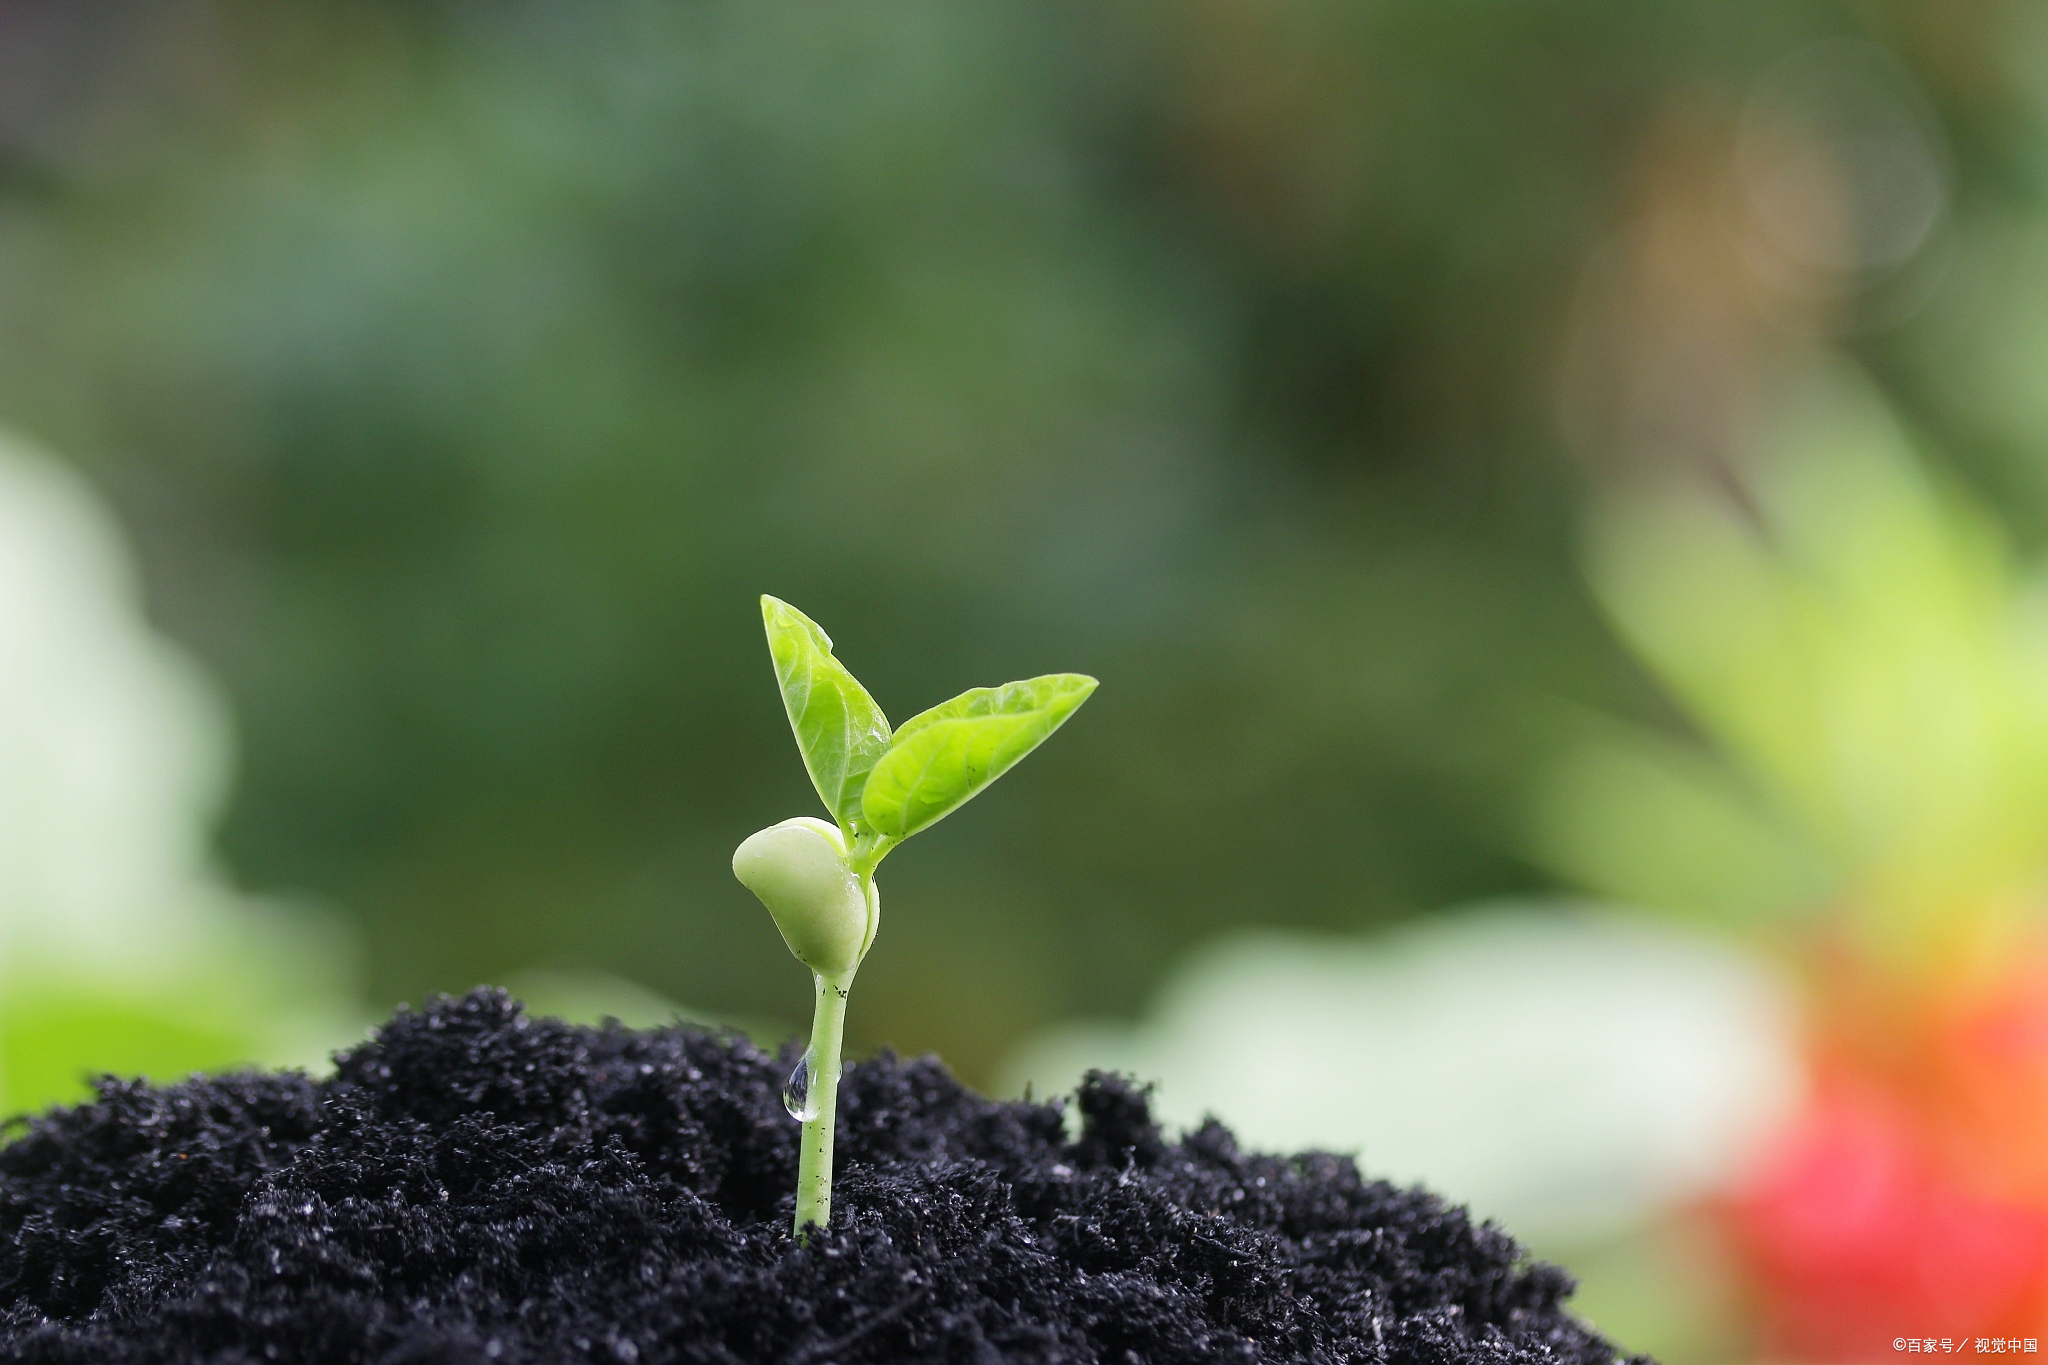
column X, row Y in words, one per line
column 814, row 1164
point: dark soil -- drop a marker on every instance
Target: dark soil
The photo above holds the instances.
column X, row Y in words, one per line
column 477, row 1186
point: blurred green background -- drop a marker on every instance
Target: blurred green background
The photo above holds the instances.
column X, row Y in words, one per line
column 462, row 372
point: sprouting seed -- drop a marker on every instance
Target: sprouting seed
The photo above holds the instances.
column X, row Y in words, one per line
column 817, row 877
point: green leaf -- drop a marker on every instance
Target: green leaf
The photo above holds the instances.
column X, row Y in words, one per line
column 839, row 729
column 942, row 757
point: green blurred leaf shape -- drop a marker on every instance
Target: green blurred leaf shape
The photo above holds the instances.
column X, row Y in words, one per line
column 839, row 729
column 942, row 757
column 1858, row 643
column 54, row 1040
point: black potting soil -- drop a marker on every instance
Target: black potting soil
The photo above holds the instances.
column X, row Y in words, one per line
column 477, row 1186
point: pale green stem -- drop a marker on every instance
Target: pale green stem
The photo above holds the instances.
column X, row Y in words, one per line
column 865, row 851
column 814, row 1164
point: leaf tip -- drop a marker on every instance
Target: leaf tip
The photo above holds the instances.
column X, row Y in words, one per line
column 1078, row 687
column 777, row 613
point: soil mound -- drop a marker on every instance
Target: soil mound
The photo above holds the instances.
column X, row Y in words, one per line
column 477, row 1186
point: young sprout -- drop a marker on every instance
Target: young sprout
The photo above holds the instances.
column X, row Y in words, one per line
column 817, row 877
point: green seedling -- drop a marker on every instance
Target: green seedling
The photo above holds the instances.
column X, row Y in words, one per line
column 817, row 877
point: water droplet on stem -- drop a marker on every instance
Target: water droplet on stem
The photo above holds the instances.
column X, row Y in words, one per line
column 796, row 1092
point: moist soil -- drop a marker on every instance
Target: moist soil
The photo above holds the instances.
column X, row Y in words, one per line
column 476, row 1186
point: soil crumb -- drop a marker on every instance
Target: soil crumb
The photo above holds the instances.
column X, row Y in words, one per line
column 479, row 1187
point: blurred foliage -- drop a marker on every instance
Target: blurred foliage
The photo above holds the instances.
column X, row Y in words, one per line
column 120, row 947
column 1866, row 659
column 466, row 370
column 1858, row 643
